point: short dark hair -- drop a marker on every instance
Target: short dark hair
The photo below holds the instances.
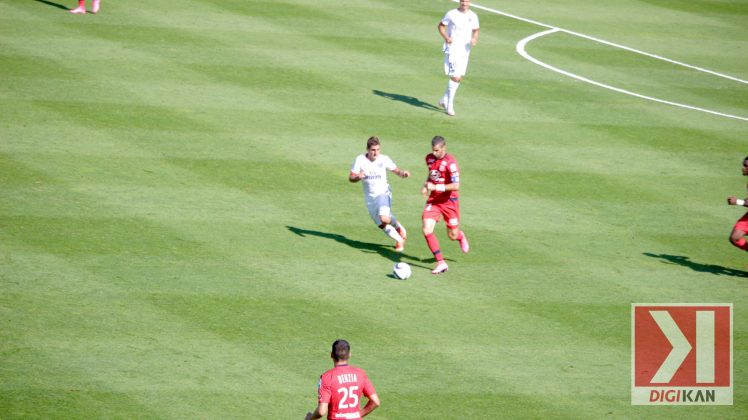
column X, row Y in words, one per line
column 341, row 350
column 438, row 140
column 373, row 141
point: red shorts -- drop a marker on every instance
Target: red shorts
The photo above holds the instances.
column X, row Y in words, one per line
column 742, row 223
column 450, row 210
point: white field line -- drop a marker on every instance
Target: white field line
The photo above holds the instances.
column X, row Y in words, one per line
column 552, row 29
column 521, row 50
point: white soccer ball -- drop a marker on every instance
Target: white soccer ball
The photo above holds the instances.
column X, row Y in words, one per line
column 401, row 270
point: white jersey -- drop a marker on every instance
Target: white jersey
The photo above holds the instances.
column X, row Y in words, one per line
column 460, row 27
column 375, row 182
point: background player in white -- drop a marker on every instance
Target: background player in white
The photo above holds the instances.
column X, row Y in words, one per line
column 371, row 168
column 459, row 28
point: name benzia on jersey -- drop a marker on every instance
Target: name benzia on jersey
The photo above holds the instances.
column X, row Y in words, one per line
column 347, row 378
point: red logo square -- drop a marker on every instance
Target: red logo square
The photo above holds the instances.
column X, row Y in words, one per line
column 681, row 354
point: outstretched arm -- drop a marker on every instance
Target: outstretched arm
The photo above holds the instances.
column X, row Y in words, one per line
column 734, row 201
column 401, row 173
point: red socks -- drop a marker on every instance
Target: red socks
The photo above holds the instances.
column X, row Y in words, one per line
column 433, row 244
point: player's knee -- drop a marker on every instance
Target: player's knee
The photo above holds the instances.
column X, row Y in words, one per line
column 385, row 219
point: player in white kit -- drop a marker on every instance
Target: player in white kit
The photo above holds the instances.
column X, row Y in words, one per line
column 371, row 168
column 459, row 28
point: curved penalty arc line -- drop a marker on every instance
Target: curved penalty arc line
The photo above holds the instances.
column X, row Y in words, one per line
column 520, row 47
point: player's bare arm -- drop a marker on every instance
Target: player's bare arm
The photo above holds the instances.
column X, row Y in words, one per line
column 734, row 201
column 401, row 173
column 355, row 177
column 443, row 33
column 320, row 412
column 474, row 38
column 371, row 405
column 430, row 186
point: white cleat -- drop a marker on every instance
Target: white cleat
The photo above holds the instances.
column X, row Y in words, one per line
column 464, row 244
column 440, row 268
column 78, row 11
column 451, row 112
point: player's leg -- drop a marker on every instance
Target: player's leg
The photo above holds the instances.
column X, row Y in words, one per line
column 399, row 226
column 430, row 217
column 451, row 213
column 390, row 230
column 452, row 86
column 95, row 6
column 456, row 67
column 451, row 69
column 737, row 236
column 444, row 101
column 81, row 9
column 380, row 212
column 456, row 234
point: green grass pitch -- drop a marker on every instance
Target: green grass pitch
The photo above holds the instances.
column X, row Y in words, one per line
column 178, row 238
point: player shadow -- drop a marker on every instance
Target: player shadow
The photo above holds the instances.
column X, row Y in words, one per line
column 53, row 4
column 410, row 100
column 696, row 266
column 383, row 250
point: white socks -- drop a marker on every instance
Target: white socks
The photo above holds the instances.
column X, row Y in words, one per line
column 392, row 233
column 451, row 92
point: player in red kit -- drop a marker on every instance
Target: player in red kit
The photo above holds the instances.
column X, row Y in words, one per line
column 737, row 236
column 340, row 388
column 442, row 187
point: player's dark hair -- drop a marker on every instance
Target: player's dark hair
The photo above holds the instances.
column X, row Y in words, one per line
column 746, row 158
column 437, row 140
column 373, row 141
column 341, row 350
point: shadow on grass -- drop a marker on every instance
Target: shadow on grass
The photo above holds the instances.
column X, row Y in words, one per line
column 695, row 266
column 383, row 250
column 53, row 4
column 410, row 100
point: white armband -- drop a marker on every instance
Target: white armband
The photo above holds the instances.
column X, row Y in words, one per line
column 441, row 187
column 740, row 202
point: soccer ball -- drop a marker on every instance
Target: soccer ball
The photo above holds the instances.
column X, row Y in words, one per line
column 401, row 270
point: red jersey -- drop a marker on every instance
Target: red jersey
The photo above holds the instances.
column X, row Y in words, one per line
column 341, row 387
column 442, row 171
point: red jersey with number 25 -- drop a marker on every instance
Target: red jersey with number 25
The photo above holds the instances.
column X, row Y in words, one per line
column 442, row 171
column 341, row 387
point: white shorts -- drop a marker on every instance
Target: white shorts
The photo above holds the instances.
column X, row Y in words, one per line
column 380, row 205
column 456, row 66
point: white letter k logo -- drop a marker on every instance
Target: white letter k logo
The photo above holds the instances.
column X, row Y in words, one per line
column 681, row 347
